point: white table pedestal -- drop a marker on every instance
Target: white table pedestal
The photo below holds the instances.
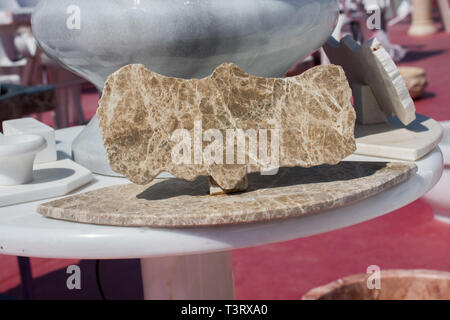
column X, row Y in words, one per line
column 193, row 277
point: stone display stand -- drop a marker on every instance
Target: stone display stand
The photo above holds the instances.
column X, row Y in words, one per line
column 397, row 141
column 215, row 189
column 368, row 111
column 50, row 179
column 380, row 91
column 293, row 192
column 416, row 80
column 369, row 66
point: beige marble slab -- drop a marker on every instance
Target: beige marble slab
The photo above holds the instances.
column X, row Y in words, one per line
column 179, row 203
column 151, row 123
column 393, row 140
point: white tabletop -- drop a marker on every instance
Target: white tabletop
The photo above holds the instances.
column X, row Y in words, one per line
column 25, row 232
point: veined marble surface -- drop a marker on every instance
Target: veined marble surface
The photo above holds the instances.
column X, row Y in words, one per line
column 305, row 121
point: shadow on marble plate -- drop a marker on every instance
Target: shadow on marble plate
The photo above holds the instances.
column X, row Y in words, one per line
column 286, row 177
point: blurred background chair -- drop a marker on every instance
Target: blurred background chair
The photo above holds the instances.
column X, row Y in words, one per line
column 22, row 63
column 18, row 100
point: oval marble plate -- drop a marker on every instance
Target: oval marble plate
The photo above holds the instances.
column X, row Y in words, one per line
column 292, row 192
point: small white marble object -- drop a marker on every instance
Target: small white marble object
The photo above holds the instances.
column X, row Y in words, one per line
column 17, row 154
column 33, row 126
column 438, row 197
column 395, row 141
column 51, row 179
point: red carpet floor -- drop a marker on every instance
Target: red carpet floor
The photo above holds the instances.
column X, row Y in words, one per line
column 408, row 238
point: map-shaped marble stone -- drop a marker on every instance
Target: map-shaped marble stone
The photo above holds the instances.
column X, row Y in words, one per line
column 225, row 125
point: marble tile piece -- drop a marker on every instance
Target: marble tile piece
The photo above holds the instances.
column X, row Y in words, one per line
column 293, row 192
column 310, row 116
column 33, row 126
column 393, row 140
column 50, row 180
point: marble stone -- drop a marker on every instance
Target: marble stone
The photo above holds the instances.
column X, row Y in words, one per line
column 395, row 285
column 215, row 189
column 393, row 140
column 370, row 64
column 366, row 106
column 293, row 192
column 185, row 39
column 416, row 80
column 305, row 121
column 50, row 180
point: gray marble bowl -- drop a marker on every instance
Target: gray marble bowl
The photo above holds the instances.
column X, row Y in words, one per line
column 179, row 38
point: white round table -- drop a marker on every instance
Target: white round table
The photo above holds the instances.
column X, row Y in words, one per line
column 188, row 263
